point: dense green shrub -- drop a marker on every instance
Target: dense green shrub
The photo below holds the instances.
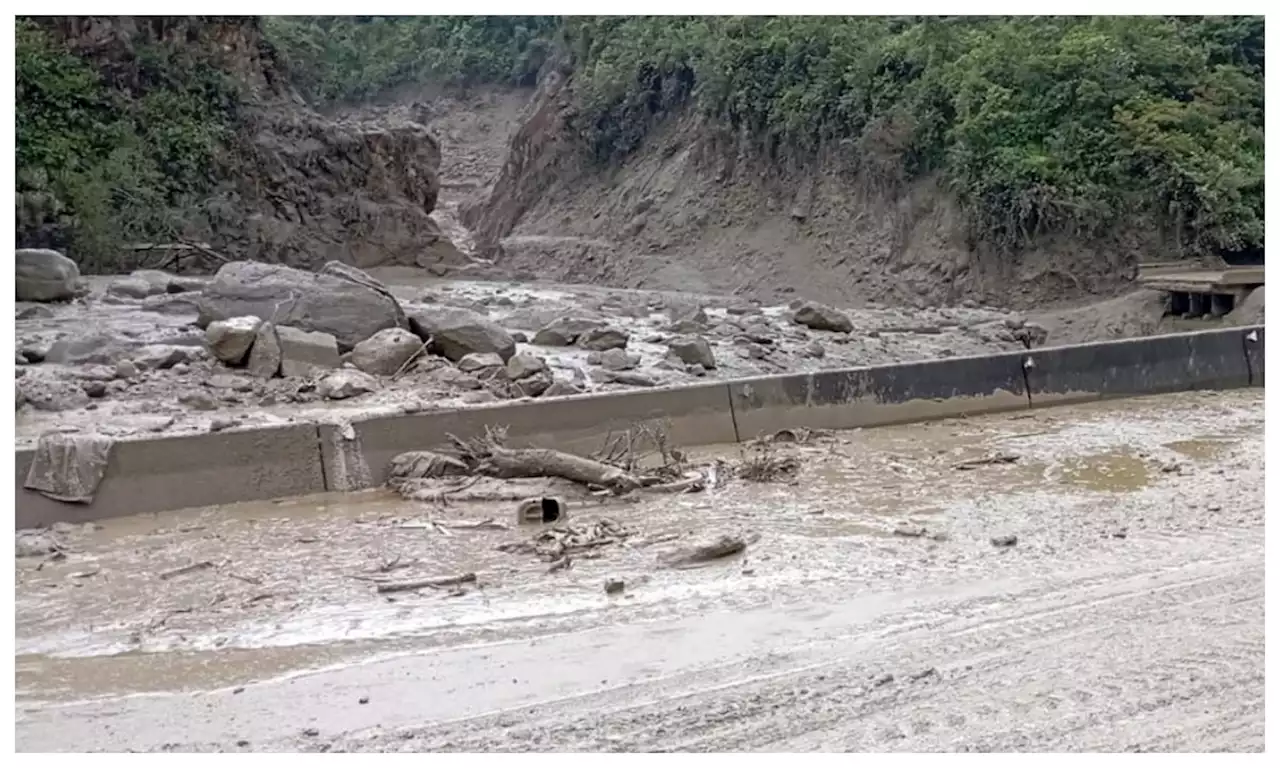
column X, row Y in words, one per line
column 1039, row 123
column 347, row 58
column 101, row 165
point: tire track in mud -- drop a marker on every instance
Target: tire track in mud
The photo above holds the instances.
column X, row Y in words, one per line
column 1167, row 658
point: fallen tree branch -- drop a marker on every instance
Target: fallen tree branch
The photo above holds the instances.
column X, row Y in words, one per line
column 436, row 583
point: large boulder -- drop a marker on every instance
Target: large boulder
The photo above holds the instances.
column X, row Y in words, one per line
column 455, row 333
column 385, row 352
column 229, row 340
column 820, row 317
column 303, row 353
column 44, row 275
column 344, row 303
column 693, row 350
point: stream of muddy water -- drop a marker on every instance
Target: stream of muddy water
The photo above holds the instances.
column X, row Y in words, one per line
column 258, row 626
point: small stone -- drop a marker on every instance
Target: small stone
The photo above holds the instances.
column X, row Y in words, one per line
column 815, row 350
column 480, row 361
column 385, row 352
column 199, row 400
column 345, row 383
column 909, row 530
column 221, row 423
column 614, row 586
column 95, row 389
column 311, row 732
column 126, row 369
column 1007, row 540
column 305, row 353
column 754, row 351
column 364, row 700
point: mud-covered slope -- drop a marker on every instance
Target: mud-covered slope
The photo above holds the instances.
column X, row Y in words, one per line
column 692, row 209
column 282, row 182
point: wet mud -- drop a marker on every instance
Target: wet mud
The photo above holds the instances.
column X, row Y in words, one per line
column 875, row 610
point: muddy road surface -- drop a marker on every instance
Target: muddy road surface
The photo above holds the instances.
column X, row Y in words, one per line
column 1099, row 588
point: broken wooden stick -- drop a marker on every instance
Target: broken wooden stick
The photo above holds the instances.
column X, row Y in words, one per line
column 436, row 583
column 999, row 458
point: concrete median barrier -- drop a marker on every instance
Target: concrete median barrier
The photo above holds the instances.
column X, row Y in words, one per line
column 1146, row 366
column 697, row 415
column 159, row 474
column 153, row 475
column 879, row 395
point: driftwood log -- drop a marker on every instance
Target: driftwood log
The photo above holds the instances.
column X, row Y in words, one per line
column 544, row 462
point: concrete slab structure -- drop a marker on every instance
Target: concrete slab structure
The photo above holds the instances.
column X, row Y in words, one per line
column 157, row 474
column 1201, row 292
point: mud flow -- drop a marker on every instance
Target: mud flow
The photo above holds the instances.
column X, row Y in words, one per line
column 1086, row 577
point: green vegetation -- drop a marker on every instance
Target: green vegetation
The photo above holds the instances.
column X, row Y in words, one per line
column 1039, row 124
column 100, row 164
column 348, row 58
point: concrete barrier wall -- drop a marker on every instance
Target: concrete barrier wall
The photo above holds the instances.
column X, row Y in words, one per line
column 697, row 415
column 879, row 395
column 167, row 473
column 1128, row 367
column 176, row 472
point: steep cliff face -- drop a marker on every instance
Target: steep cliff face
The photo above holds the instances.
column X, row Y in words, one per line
column 285, row 184
column 696, row 209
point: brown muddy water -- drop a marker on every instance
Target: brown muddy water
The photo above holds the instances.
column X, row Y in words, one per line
column 276, row 607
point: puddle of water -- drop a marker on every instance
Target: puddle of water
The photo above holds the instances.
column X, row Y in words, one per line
column 1203, row 448
column 1112, row 472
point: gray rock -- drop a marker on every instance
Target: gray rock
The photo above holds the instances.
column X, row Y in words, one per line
column 693, row 349
column 132, row 288
column 158, row 357
column 94, row 389
column 44, row 275
column 564, row 331
column 32, row 543
column 815, row 350
column 455, row 332
column 385, row 352
column 536, row 384
column 303, row 353
column 47, row 393
column 199, row 400
column 630, row 378
column 101, row 347
column 126, row 369
column 618, row 360
column 172, row 304
column 345, row 383
column 349, row 306
column 230, row 340
column 264, row 356
column 480, row 361
column 36, row 312
column 601, row 339
column 524, row 365
column 754, row 351
column 821, row 317
column 562, row 388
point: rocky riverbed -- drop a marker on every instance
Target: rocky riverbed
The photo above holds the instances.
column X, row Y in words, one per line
column 162, row 354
